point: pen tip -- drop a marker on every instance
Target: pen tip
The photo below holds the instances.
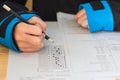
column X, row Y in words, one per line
column 50, row 40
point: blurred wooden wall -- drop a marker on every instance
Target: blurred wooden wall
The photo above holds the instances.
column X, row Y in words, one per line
column 29, row 4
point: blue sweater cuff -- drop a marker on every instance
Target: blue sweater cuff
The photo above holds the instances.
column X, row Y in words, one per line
column 8, row 40
column 99, row 19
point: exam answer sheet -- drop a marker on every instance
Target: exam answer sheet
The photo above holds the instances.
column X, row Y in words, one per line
column 76, row 54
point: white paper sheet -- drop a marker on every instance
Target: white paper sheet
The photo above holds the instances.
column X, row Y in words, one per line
column 48, row 64
column 91, row 54
column 76, row 54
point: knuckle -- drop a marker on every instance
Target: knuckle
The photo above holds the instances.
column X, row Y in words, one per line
column 20, row 23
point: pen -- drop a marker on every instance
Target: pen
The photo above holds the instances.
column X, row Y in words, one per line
column 22, row 19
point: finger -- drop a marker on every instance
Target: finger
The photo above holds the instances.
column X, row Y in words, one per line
column 79, row 14
column 39, row 22
column 34, row 40
column 42, row 24
column 81, row 19
column 28, row 50
column 32, row 29
column 83, row 22
column 25, row 45
column 28, row 40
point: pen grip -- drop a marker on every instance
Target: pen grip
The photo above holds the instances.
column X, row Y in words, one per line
column 23, row 20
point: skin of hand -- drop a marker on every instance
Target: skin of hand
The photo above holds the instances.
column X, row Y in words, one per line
column 82, row 19
column 30, row 38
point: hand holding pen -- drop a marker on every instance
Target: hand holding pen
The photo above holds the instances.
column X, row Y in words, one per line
column 29, row 37
column 23, row 20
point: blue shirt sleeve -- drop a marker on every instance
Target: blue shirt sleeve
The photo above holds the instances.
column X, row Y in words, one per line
column 101, row 19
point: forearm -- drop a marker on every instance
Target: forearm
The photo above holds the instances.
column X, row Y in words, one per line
column 8, row 22
column 102, row 15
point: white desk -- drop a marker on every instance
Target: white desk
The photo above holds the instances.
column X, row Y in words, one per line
column 84, row 56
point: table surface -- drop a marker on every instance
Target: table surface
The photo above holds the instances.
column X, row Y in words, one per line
column 3, row 62
column 5, row 51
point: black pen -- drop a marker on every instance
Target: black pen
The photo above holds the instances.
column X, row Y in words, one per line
column 22, row 19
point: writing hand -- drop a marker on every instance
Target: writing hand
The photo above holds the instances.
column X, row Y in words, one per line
column 29, row 38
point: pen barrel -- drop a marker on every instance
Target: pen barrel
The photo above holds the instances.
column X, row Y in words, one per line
column 19, row 17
